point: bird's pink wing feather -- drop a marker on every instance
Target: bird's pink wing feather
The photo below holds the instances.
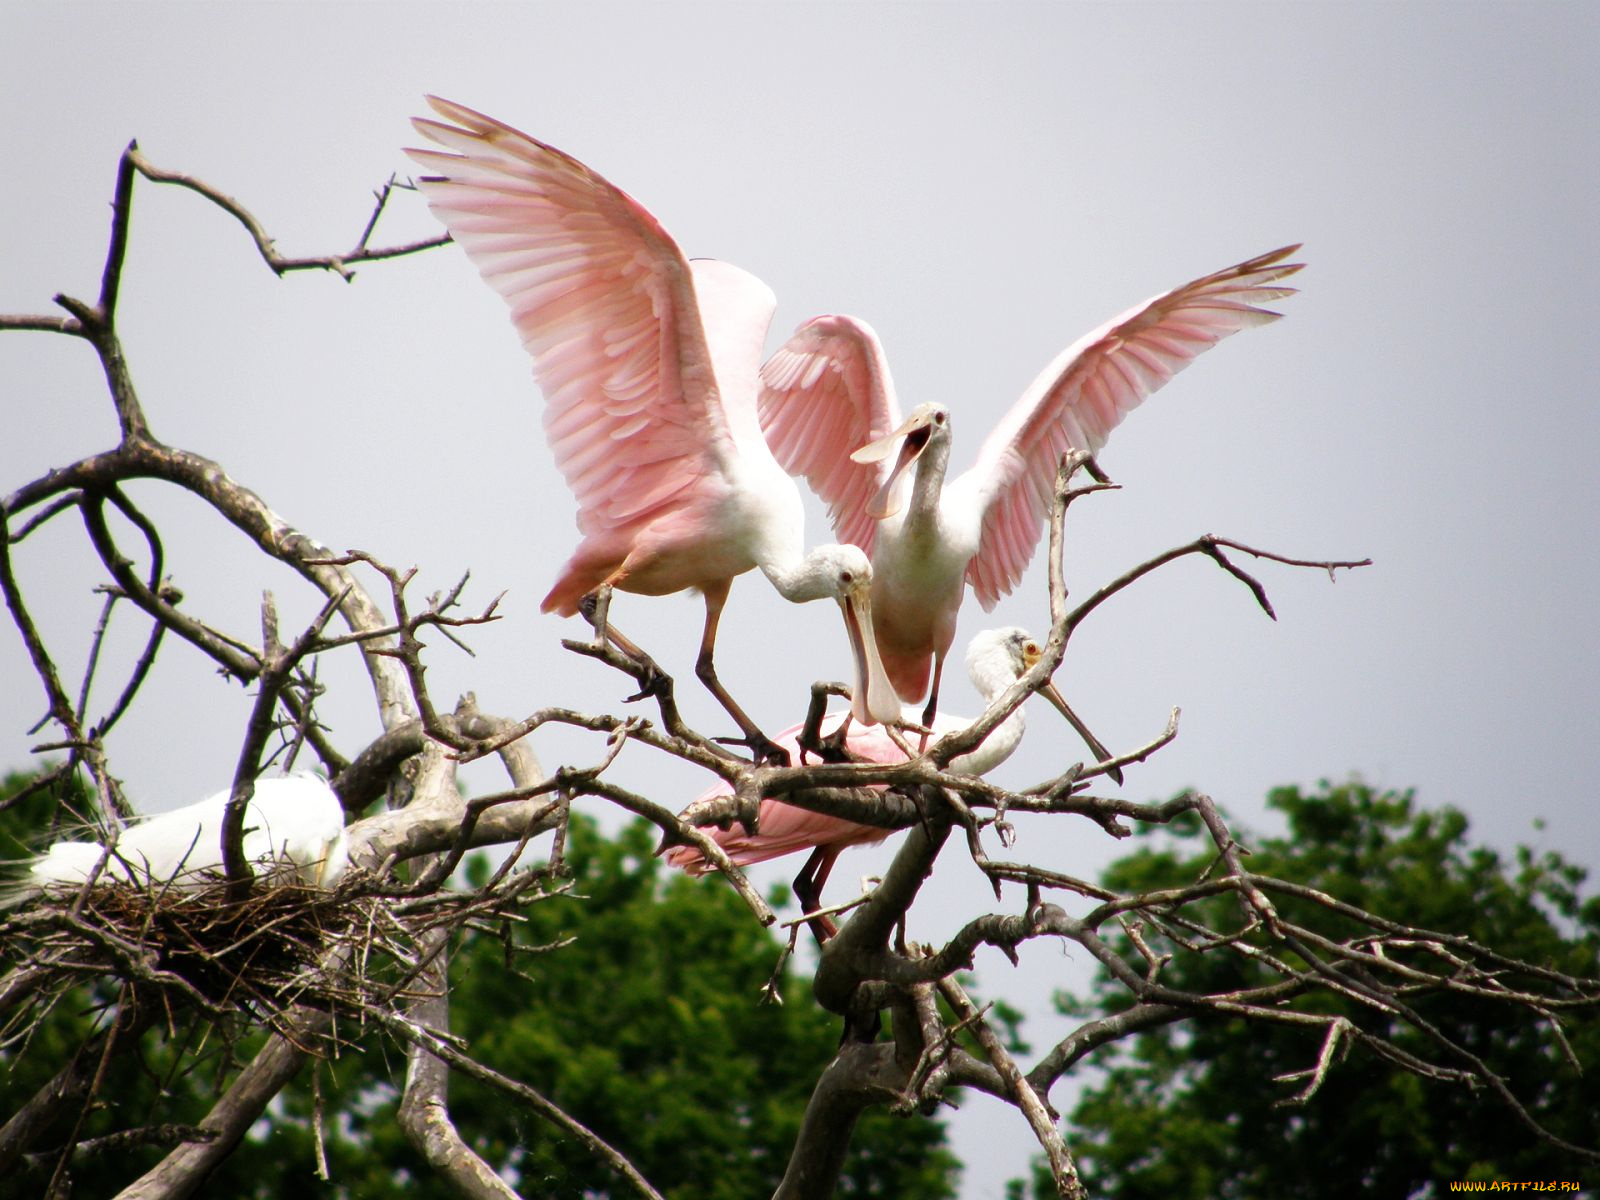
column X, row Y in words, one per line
column 786, row 828
column 605, row 304
column 1083, row 395
column 825, row 394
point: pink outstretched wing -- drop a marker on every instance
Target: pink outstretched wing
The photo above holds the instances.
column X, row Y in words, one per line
column 1083, row 395
column 825, row 394
column 605, row 304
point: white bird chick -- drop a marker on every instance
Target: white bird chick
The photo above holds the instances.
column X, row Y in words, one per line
column 293, row 829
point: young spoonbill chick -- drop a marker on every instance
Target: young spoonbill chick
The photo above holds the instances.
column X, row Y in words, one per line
column 996, row 658
column 293, row 829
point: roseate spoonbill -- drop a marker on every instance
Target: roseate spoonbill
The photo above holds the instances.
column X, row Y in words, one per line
column 294, row 828
column 649, row 368
column 829, row 412
column 996, row 658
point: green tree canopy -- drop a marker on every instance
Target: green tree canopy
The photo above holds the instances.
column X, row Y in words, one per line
column 1191, row 1111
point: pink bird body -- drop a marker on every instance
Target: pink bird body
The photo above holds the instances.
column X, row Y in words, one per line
column 785, row 828
column 829, row 411
column 649, row 366
column 996, row 658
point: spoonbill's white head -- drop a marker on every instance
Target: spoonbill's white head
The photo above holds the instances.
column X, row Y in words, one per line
column 927, row 426
column 997, row 658
column 844, row 574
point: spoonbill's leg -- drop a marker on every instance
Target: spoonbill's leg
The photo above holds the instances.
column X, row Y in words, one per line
column 933, row 699
column 596, row 607
column 808, row 889
column 829, row 749
column 766, row 751
column 833, row 747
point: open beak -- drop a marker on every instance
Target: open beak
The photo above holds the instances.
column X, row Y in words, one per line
column 1101, row 754
column 872, row 699
column 916, row 432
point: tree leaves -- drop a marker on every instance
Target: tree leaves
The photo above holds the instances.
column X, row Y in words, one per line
column 1191, row 1111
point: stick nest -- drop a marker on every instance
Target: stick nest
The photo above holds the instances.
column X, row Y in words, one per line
column 196, row 948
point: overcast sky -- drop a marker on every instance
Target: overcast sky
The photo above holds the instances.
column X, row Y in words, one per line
column 982, row 183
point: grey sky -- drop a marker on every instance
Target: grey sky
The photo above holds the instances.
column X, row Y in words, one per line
column 983, row 183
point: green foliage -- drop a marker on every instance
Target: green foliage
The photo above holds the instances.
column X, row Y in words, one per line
column 1190, row 1112
column 645, row 1027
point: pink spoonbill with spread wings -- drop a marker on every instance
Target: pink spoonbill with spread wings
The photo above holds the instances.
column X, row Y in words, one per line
column 829, row 412
column 649, row 367
column 996, row 658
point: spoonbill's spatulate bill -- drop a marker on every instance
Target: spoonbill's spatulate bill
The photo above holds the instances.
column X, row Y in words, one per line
column 829, row 411
column 996, row 658
column 649, row 368
column 294, row 828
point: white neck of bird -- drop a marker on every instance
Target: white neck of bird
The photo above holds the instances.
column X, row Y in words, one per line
column 928, row 479
column 799, row 579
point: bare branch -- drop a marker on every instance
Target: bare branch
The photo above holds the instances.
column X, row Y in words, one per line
column 438, row 1046
column 1041, row 1120
column 237, row 659
column 860, row 1075
column 203, row 478
column 1212, row 547
column 281, row 265
column 23, row 322
column 424, row 1105
column 183, row 1172
column 279, row 665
